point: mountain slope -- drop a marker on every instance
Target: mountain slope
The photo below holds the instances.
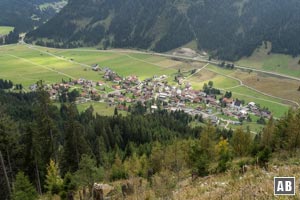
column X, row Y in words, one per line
column 228, row 29
column 26, row 14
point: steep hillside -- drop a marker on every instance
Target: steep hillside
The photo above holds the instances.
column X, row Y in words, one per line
column 26, row 14
column 228, row 29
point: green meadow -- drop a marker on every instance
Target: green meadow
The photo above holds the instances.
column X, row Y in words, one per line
column 99, row 108
column 4, row 30
column 274, row 105
column 28, row 65
column 280, row 63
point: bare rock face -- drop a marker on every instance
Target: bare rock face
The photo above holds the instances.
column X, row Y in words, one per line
column 101, row 190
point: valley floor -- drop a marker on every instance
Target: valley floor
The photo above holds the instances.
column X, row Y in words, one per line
column 27, row 64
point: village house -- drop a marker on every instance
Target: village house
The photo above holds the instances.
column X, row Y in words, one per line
column 33, row 87
column 237, row 104
column 117, row 87
column 227, row 101
column 96, row 67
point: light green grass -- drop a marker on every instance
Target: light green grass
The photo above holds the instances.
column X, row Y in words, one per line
column 21, row 64
column 99, row 108
column 253, row 126
column 219, row 82
column 220, row 69
column 249, row 92
column 125, row 65
column 280, row 63
column 274, row 105
column 4, row 30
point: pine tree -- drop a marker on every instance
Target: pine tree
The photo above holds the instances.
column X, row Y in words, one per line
column 202, row 151
column 116, row 111
column 88, row 173
column 47, row 128
column 241, row 142
column 118, row 169
column 69, row 187
column 157, row 157
column 75, row 143
column 293, row 142
column 23, row 189
column 33, row 154
column 207, row 139
column 224, row 155
column 268, row 135
column 9, row 137
column 53, row 180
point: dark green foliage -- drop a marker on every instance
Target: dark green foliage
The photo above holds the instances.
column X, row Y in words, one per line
column 75, row 144
column 6, row 84
column 19, row 14
column 199, row 159
column 88, row 173
column 228, row 95
column 69, row 186
column 261, row 120
column 12, row 37
column 264, row 156
column 225, row 156
column 23, row 189
column 228, row 29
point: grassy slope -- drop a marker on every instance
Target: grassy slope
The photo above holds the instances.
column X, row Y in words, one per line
column 4, row 30
column 280, row 63
column 254, row 184
column 248, row 95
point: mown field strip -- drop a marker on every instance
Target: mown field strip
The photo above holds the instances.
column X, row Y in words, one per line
column 45, row 67
column 258, row 91
column 53, row 55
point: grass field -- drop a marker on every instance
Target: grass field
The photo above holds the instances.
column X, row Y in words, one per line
column 274, row 105
column 100, row 108
column 4, row 30
column 280, row 87
column 22, row 64
column 280, row 63
column 219, row 81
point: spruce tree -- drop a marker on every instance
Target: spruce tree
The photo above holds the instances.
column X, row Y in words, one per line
column 241, row 142
column 268, row 135
column 53, row 180
column 23, row 189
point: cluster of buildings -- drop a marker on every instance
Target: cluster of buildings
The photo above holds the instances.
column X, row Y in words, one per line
column 157, row 91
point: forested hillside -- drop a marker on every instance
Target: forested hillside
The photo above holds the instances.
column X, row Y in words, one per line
column 27, row 14
column 55, row 150
column 228, row 29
